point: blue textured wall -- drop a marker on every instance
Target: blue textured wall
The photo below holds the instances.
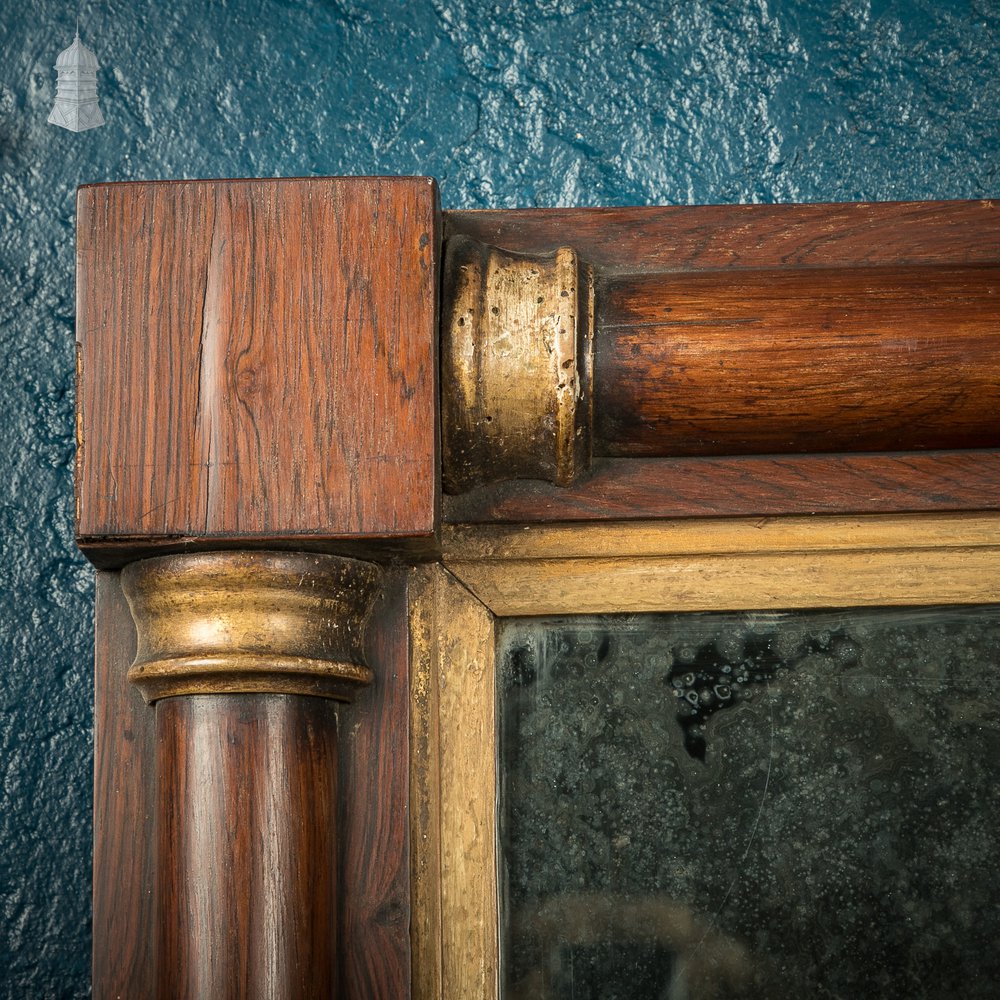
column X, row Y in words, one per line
column 556, row 102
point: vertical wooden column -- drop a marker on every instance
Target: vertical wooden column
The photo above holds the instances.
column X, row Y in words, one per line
column 240, row 651
column 246, row 813
column 257, row 431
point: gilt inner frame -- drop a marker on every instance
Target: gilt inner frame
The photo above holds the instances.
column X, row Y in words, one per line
column 494, row 572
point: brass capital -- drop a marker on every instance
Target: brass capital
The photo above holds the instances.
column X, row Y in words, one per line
column 233, row 622
column 517, row 346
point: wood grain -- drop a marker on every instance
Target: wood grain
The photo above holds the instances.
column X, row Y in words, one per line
column 124, row 788
column 797, row 360
column 374, row 816
column 746, row 486
column 257, row 358
column 711, row 237
column 246, row 847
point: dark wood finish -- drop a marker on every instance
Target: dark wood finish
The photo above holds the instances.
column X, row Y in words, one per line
column 639, row 489
column 246, row 847
column 257, row 358
column 124, row 787
column 710, row 237
column 258, row 368
column 374, row 817
column 113, row 554
column 797, row 360
column 734, row 330
column 373, row 860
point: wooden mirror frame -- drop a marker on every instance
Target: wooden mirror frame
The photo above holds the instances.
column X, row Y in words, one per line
column 328, row 435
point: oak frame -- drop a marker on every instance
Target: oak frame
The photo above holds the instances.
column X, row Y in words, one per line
column 488, row 573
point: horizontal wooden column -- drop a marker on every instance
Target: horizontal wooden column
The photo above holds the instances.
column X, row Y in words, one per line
column 797, row 360
column 717, row 332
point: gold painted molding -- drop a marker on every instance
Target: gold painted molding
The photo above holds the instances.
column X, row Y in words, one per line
column 237, row 622
column 492, row 572
column 455, row 936
column 516, row 363
column 717, row 565
column 704, row 536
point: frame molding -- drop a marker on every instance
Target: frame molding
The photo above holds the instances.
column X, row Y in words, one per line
column 455, row 916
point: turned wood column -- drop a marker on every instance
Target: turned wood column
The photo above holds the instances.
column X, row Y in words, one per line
column 241, row 653
column 665, row 333
column 246, row 827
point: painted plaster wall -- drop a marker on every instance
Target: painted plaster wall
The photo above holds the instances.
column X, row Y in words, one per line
column 558, row 102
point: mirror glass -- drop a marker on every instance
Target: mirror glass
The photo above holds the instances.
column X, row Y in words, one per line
column 755, row 805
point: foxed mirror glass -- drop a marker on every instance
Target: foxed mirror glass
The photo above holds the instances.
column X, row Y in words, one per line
column 757, row 805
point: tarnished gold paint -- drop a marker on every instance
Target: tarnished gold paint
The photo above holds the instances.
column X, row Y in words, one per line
column 454, row 904
column 516, row 363
column 229, row 622
column 728, row 564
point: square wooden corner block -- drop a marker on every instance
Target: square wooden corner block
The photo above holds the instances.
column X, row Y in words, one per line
column 256, row 362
